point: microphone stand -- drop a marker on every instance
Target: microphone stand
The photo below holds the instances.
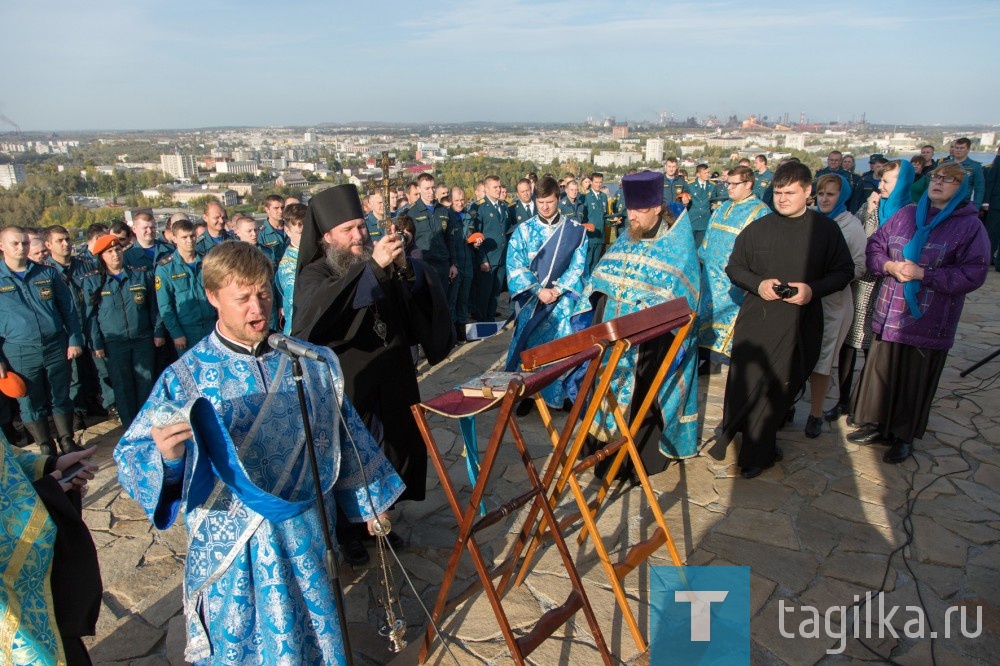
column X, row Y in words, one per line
column 332, row 566
column 980, row 363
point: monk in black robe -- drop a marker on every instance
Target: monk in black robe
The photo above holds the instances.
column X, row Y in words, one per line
column 369, row 303
column 787, row 262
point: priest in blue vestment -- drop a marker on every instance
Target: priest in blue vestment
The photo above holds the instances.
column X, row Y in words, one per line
column 546, row 259
column 654, row 262
column 221, row 439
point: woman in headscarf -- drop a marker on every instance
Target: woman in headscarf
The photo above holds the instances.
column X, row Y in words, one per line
column 930, row 256
column 832, row 194
column 893, row 193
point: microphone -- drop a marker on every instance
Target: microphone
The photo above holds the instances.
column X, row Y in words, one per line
column 293, row 347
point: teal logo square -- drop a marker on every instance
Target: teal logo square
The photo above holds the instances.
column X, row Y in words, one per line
column 699, row 615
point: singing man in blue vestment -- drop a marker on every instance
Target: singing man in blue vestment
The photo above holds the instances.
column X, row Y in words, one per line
column 652, row 263
column 546, row 259
column 221, row 439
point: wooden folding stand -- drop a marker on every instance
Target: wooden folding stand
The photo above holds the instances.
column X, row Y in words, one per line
column 453, row 404
column 621, row 334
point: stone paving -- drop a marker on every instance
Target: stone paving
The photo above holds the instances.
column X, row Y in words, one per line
column 817, row 529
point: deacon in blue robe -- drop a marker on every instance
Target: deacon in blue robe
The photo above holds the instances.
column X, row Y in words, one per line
column 720, row 298
column 546, row 258
column 654, row 262
column 256, row 590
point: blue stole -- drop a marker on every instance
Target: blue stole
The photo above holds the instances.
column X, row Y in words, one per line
column 553, row 259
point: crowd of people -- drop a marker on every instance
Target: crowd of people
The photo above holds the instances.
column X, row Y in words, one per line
column 790, row 274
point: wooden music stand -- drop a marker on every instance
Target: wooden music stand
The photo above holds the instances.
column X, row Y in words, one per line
column 621, row 334
column 453, row 404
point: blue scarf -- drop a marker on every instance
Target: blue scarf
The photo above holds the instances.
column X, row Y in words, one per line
column 913, row 249
column 845, row 194
column 900, row 196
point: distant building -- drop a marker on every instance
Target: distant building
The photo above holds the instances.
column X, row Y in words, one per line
column 607, row 158
column 728, row 141
column 11, row 175
column 654, row 150
column 795, row 141
column 619, row 131
column 309, row 137
column 241, row 166
column 291, row 179
column 181, row 167
column 987, row 139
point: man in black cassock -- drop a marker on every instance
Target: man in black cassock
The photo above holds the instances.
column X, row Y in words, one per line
column 369, row 302
column 777, row 337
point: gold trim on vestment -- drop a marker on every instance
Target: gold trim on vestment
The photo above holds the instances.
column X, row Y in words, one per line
column 12, row 617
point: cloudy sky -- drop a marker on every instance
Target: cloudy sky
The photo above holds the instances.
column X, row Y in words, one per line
column 142, row 64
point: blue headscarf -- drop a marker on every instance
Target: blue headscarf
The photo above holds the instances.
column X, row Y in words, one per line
column 845, row 194
column 900, row 196
column 913, row 249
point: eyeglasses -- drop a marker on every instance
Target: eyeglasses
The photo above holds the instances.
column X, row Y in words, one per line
column 730, row 183
column 937, row 178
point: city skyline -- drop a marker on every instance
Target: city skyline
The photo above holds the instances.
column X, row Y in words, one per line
column 130, row 66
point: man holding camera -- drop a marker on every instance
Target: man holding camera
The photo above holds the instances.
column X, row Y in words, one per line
column 786, row 261
column 369, row 302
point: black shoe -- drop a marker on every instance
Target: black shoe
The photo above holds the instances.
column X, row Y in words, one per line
column 870, row 433
column 97, row 411
column 814, row 427
column 523, row 409
column 355, row 553
column 113, row 413
column 752, row 472
column 852, row 423
column 79, row 423
column 460, row 335
column 899, row 452
column 68, row 445
column 790, row 415
column 835, row 412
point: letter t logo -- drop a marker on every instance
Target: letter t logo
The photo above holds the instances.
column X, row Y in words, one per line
column 701, row 615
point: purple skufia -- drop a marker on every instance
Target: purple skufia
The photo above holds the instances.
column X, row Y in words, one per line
column 643, row 190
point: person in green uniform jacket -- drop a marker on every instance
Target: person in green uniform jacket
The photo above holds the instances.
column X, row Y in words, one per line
column 124, row 325
column 84, row 389
column 700, row 208
column 214, row 218
column 674, row 184
column 39, row 335
column 523, row 209
column 973, row 169
column 762, row 180
column 431, row 221
column 147, row 250
column 572, row 205
column 375, row 217
column 272, row 238
column 492, row 220
column 463, row 225
column 180, row 294
column 596, row 202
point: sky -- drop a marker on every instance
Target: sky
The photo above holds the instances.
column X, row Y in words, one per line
column 140, row 64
